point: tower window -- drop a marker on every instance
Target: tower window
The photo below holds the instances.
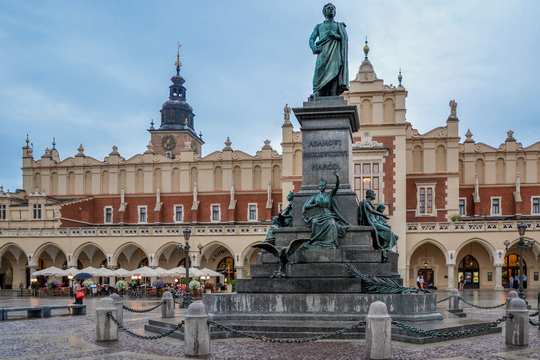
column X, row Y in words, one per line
column 2, row 212
column 36, row 213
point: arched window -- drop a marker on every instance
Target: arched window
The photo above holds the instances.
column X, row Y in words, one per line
column 218, row 178
column 521, row 168
column 54, row 183
column 105, row 182
column 171, row 116
column 229, row 270
column 418, row 162
column 441, row 159
column 388, row 117
column 121, row 181
column 194, row 177
column 367, row 112
column 276, row 177
column 500, row 171
column 511, row 269
column 37, row 182
column 71, row 183
column 140, row 181
column 88, row 182
column 175, row 180
column 470, row 270
column 479, row 168
column 237, row 177
column 183, row 262
column 157, row 179
column 257, row 173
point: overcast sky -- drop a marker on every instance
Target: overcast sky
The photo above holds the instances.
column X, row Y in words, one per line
column 96, row 72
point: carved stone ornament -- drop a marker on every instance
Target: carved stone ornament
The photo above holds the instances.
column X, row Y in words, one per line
column 469, row 136
column 367, row 141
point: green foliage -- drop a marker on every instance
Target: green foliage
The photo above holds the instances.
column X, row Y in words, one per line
column 121, row 285
column 86, row 283
column 194, row 285
column 455, row 217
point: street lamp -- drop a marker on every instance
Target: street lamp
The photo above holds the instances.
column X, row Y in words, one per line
column 522, row 244
column 185, row 249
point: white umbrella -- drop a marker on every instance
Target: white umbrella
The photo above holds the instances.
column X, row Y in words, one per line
column 51, row 271
column 208, row 272
column 144, row 271
column 73, row 271
column 122, row 272
column 91, row 270
column 177, row 271
column 196, row 272
column 161, row 271
column 105, row 272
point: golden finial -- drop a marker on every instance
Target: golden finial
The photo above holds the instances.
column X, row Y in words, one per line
column 27, row 140
column 53, row 142
column 400, row 77
column 366, row 48
column 178, row 63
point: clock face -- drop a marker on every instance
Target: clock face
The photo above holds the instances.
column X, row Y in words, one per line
column 168, row 142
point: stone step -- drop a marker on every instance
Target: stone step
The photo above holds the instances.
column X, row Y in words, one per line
column 324, row 270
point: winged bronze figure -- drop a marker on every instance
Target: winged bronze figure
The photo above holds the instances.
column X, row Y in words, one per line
column 283, row 255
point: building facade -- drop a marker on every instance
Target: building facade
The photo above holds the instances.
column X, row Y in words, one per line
column 452, row 203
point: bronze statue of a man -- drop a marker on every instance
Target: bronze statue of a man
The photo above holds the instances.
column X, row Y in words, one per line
column 331, row 76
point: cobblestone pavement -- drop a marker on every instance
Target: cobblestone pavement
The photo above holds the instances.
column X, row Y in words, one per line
column 73, row 337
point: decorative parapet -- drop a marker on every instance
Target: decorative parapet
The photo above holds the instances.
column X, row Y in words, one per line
column 471, row 226
column 129, row 231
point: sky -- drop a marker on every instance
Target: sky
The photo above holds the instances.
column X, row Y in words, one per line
column 96, row 72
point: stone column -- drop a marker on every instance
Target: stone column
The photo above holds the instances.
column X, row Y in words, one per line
column 451, row 280
column 517, row 329
column 119, row 307
column 378, row 332
column 498, row 277
column 453, row 300
column 239, row 270
column 167, row 309
column 106, row 329
column 197, row 331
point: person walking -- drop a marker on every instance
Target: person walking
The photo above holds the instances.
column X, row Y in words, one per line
column 511, row 280
column 78, row 290
column 418, row 281
column 524, row 281
column 421, row 282
column 461, row 282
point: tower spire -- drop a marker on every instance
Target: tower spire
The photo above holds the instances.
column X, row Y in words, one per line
column 178, row 63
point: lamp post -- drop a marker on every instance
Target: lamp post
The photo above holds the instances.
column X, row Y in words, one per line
column 185, row 249
column 522, row 244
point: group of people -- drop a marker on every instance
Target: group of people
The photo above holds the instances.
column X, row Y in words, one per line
column 514, row 281
column 421, row 284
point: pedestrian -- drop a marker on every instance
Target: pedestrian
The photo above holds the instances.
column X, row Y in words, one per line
column 461, row 282
column 524, row 281
column 511, row 282
column 516, row 282
column 418, row 281
column 421, row 282
column 78, row 290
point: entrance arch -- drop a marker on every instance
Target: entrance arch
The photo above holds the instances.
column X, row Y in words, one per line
column 511, row 268
column 227, row 264
column 470, row 270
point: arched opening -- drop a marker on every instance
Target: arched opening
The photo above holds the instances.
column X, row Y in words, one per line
column 511, row 269
column 218, row 179
column 227, row 265
column 470, row 270
column 257, row 173
column 14, row 268
column 418, row 161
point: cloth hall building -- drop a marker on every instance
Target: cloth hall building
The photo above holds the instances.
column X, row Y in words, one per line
column 452, row 203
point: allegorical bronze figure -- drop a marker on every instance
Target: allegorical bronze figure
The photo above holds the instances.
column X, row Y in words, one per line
column 283, row 255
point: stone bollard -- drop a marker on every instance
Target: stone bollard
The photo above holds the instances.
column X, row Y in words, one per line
column 119, row 307
column 197, row 331
column 106, row 329
column 517, row 329
column 453, row 300
column 378, row 332
column 511, row 295
column 167, row 309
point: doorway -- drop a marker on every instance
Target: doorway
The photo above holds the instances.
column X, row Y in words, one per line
column 427, row 274
column 470, row 270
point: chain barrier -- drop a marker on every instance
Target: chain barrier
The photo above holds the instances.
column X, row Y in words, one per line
column 440, row 301
column 536, row 313
column 155, row 337
column 534, row 323
column 142, row 311
column 287, row 341
column 482, row 307
column 453, row 334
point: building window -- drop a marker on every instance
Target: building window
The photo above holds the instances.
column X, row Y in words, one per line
column 108, row 215
column 495, row 206
column 142, row 214
column 178, row 213
column 36, row 213
column 216, row 214
column 426, row 199
column 252, row 212
column 367, row 176
column 535, row 209
column 3, row 212
column 462, row 205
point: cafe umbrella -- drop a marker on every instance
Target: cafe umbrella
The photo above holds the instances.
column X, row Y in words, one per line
column 82, row 276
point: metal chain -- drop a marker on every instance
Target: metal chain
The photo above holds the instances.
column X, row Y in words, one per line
column 534, row 323
column 440, row 301
column 142, row 311
column 287, row 341
column 155, row 337
column 482, row 307
column 453, row 333
column 536, row 313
